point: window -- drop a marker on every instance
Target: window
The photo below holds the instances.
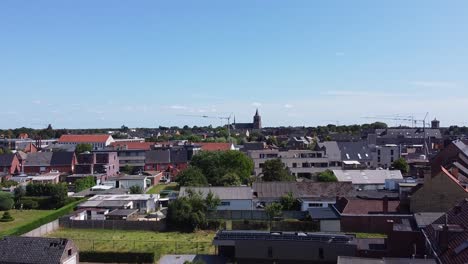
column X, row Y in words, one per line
column 294, row 165
column 378, row 159
column 262, row 156
column 391, row 160
column 320, row 253
column 319, row 155
column 69, row 252
column 391, row 152
column 315, row 205
column 261, row 165
column 378, row 152
column 225, row 203
column 270, row 252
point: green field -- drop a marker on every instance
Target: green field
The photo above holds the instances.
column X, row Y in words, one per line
column 139, row 241
column 21, row 218
column 162, row 187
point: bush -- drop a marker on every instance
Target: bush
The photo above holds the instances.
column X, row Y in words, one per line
column 6, row 201
column 28, row 204
column 327, row 176
column 6, row 217
column 119, row 257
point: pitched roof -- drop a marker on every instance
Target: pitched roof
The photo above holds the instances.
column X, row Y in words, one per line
column 331, row 150
column 450, row 176
column 359, row 151
column 408, row 133
column 224, row 193
column 6, row 160
column 62, row 158
column 213, row 146
column 98, row 138
column 361, row 206
column 303, row 189
column 132, row 145
column 457, row 243
column 367, row 176
column 323, row 213
column 32, row 249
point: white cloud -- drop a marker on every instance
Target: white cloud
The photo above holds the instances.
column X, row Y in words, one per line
column 178, row 107
column 288, row 106
column 256, row 104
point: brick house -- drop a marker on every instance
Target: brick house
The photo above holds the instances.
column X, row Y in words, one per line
column 97, row 163
column 42, row 162
column 9, row 164
column 438, row 194
column 171, row 160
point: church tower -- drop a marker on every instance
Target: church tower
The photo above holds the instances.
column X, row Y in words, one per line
column 257, row 121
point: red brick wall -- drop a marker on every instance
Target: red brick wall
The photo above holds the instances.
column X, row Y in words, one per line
column 36, row 169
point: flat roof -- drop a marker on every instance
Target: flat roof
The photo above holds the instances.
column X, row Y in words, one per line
column 367, row 176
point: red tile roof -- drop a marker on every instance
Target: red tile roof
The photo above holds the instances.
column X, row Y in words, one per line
column 132, row 145
column 84, row 138
column 361, row 206
column 212, row 146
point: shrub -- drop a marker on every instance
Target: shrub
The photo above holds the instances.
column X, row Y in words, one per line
column 6, row 201
column 29, row 204
column 6, row 217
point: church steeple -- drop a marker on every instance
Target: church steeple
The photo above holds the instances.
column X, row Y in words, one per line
column 257, row 120
column 256, row 113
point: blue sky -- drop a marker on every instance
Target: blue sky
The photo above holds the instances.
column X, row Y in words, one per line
column 148, row 63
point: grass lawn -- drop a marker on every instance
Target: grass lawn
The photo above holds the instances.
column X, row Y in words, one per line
column 162, row 187
column 370, row 235
column 22, row 218
column 139, row 241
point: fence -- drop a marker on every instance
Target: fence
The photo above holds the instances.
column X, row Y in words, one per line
column 43, row 230
column 65, row 222
column 158, row 247
column 252, row 215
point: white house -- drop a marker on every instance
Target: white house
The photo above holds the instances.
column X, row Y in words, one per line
column 127, row 181
column 145, row 203
column 232, row 198
column 367, row 179
column 99, row 141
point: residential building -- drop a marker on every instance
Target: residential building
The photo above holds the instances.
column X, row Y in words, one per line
column 232, row 198
column 90, row 214
column 447, row 237
column 438, row 194
column 309, row 194
column 49, row 177
column 355, row 155
column 145, row 203
column 99, row 141
column 127, row 181
column 455, row 155
column 41, row 162
column 431, row 138
column 172, row 160
column 9, row 164
column 300, row 163
column 98, row 163
column 383, row 156
column 327, row 217
column 22, row 144
column 284, row 247
column 122, row 214
column 37, row 250
column 367, row 179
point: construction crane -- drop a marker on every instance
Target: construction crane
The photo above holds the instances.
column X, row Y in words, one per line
column 402, row 118
column 227, row 118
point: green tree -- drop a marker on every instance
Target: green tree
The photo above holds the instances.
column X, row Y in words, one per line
column 326, row 176
column 273, row 210
column 230, row 179
column 84, row 183
column 188, row 213
column 59, row 194
column 402, row 165
column 215, row 164
column 274, row 170
column 18, row 194
column 136, row 189
column 289, row 203
column 8, row 184
column 192, row 176
column 6, row 201
column 81, row 148
column 127, row 169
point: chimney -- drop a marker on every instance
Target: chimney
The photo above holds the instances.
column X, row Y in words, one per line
column 444, row 238
column 385, row 204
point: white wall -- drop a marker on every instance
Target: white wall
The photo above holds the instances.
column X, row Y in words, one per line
column 330, row 226
column 305, row 204
column 236, row 205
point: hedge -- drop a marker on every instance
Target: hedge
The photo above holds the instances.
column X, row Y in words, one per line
column 116, row 257
column 16, row 231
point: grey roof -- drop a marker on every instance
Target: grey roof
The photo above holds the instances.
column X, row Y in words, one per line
column 426, row 218
column 49, row 158
column 32, row 249
column 359, row 151
column 408, row 133
column 331, row 149
column 179, row 155
column 367, row 176
column 158, row 156
column 323, row 213
column 181, row 259
column 253, row 146
column 6, row 160
column 123, row 212
column 224, row 193
column 303, row 189
column 462, row 146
